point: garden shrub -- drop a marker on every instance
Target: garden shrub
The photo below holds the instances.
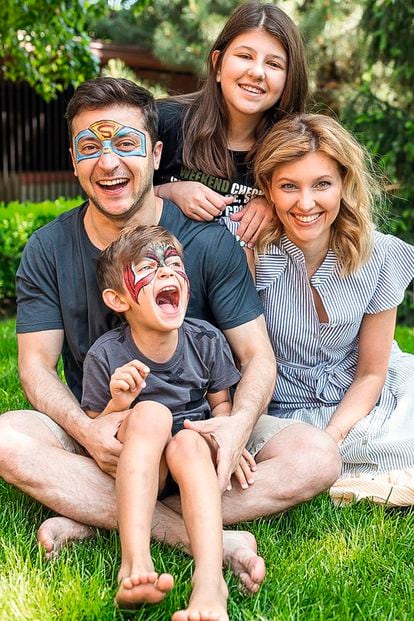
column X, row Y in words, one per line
column 17, row 222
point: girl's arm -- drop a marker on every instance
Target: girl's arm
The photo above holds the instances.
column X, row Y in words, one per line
column 375, row 341
column 195, row 199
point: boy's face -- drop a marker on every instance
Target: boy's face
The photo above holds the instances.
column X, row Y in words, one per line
column 159, row 286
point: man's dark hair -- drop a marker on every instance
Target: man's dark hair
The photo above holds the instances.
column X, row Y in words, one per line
column 101, row 93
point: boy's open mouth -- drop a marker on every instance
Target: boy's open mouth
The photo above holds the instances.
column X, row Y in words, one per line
column 168, row 298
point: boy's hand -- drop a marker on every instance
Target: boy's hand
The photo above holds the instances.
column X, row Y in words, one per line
column 126, row 384
column 243, row 472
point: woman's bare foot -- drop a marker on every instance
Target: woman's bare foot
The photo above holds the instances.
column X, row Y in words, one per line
column 240, row 553
column 208, row 602
column 57, row 532
column 145, row 587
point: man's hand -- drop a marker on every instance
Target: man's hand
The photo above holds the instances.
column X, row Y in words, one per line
column 231, row 438
column 101, row 442
column 126, row 384
column 254, row 218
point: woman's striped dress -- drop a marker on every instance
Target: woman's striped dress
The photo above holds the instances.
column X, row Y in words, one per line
column 317, row 361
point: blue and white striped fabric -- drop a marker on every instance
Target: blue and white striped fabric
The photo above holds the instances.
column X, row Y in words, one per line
column 317, row 361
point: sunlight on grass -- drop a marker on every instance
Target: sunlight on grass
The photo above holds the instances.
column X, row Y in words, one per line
column 323, row 562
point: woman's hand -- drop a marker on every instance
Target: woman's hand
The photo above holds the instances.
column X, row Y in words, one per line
column 195, row 200
column 256, row 216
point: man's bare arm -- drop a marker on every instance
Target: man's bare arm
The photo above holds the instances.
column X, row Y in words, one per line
column 38, row 356
column 251, row 346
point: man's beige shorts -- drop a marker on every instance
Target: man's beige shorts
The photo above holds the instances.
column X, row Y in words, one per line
column 264, row 430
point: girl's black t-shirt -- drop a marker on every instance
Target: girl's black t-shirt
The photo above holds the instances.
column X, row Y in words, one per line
column 242, row 187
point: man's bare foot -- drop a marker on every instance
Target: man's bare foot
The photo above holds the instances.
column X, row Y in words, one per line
column 57, row 532
column 240, row 554
column 143, row 588
column 208, row 602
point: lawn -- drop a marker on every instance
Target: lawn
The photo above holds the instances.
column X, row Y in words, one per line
column 323, row 562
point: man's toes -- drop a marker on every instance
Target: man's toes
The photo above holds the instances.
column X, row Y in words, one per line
column 247, row 584
column 259, row 570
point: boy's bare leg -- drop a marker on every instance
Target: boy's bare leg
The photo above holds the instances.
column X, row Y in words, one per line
column 141, row 468
column 189, row 461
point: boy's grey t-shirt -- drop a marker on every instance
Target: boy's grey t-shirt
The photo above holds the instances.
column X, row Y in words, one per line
column 202, row 363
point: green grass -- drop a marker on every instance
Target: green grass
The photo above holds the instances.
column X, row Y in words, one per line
column 323, row 562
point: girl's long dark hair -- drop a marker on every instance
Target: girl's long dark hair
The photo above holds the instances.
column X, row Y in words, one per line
column 205, row 122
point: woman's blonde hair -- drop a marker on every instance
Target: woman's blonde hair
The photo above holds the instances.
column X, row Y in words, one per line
column 293, row 138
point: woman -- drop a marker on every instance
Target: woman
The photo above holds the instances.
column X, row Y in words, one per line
column 330, row 284
column 256, row 76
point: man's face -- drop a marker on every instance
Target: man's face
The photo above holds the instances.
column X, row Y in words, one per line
column 114, row 160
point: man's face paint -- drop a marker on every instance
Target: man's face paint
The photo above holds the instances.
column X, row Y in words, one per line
column 109, row 136
column 139, row 275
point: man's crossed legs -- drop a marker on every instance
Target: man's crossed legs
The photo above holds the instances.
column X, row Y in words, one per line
column 295, row 462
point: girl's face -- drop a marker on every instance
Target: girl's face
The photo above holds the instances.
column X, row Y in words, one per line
column 252, row 73
column 307, row 195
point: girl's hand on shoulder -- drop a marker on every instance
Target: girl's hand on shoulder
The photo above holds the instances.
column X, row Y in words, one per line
column 256, row 216
column 195, row 200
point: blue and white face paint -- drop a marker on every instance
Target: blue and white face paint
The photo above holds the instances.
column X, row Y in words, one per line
column 109, row 137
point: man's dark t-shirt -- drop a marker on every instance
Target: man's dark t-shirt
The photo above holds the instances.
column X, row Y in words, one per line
column 57, row 288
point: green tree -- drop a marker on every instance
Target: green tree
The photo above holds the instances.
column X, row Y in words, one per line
column 46, row 42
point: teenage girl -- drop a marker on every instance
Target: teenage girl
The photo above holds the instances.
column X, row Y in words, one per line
column 256, row 76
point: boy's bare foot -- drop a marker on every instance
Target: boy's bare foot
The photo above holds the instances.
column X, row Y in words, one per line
column 57, row 532
column 208, row 602
column 240, row 553
column 143, row 588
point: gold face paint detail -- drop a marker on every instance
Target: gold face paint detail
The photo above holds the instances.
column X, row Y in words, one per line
column 105, row 129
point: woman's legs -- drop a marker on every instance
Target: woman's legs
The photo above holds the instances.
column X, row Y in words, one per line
column 141, row 472
column 189, row 461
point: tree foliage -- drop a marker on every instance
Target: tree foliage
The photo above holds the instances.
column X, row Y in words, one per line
column 46, row 43
column 179, row 32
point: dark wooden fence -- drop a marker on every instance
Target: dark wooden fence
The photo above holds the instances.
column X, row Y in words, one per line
column 34, row 146
column 33, row 138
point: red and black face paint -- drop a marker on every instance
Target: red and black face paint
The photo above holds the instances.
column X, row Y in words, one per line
column 158, row 255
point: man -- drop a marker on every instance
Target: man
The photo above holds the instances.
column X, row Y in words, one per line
column 66, row 460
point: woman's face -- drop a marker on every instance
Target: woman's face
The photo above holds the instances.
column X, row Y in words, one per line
column 252, row 73
column 307, row 194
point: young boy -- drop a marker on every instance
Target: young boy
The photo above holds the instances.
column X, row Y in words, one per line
column 162, row 370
